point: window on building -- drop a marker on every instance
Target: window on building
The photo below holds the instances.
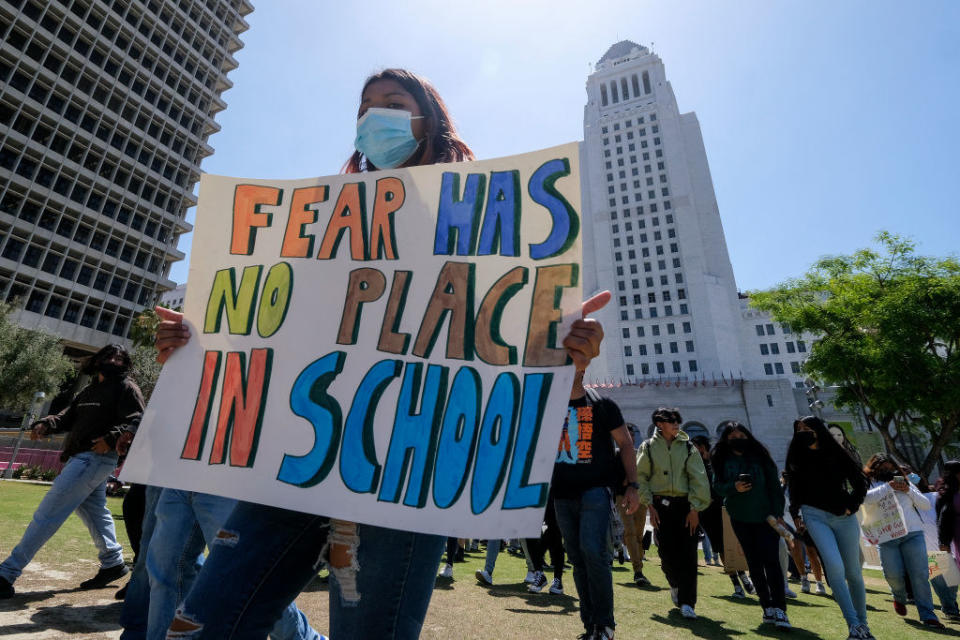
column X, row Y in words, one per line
column 778, row 367
column 795, row 367
column 661, row 368
column 629, row 369
column 790, row 347
column 770, row 330
column 775, row 348
column 768, row 368
column 759, row 329
column 801, row 346
column 764, row 350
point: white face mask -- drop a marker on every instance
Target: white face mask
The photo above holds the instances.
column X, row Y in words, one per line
column 837, row 435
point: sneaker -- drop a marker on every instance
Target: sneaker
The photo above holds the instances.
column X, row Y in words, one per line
column 121, row 593
column 787, row 591
column 539, row 582
column 748, row 584
column 769, row 615
column 900, row 608
column 781, row 619
column 557, row 587
column 105, row 577
column 738, row 592
column 805, row 584
column 621, row 555
column 933, row 623
column 675, row 596
column 483, row 577
column 860, row 632
column 6, row 589
column 603, row 633
column 640, row 580
column 587, row 635
column 687, row 612
column 821, row 588
column 447, row 571
column 531, row 576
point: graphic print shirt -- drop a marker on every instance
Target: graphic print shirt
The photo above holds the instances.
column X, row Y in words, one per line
column 585, row 455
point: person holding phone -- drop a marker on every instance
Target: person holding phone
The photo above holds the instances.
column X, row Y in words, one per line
column 905, row 556
column 746, row 476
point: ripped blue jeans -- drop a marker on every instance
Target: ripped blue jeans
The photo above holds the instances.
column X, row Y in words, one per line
column 383, row 592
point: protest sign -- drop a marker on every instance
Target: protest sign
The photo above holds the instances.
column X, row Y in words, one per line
column 942, row 563
column 381, row 347
column 886, row 522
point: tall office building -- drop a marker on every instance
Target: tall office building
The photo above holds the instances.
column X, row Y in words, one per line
column 653, row 234
column 105, row 111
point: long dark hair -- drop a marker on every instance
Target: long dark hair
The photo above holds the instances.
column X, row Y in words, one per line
column 877, row 459
column 442, row 143
column 827, row 446
column 951, row 484
column 92, row 365
column 722, row 450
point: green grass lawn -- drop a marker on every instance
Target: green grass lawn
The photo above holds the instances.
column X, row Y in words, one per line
column 461, row 608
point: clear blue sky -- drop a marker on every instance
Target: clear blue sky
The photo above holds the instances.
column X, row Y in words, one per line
column 824, row 122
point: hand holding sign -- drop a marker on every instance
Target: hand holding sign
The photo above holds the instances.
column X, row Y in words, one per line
column 586, row 334
column 171, row 333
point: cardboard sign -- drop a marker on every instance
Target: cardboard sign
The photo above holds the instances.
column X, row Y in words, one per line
column 734, row 559
column 942, row 563
column 888, row 523
column 384, row 348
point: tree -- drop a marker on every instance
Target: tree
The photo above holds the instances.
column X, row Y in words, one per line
column 30, row 361
column 146, row 369
column 888, row 327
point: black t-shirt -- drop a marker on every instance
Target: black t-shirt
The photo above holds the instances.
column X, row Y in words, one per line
column 585, row 457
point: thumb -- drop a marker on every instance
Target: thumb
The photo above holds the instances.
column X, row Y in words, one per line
column 595, row 303
column 168, row 314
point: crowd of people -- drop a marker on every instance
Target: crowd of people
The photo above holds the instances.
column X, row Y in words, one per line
column 613, row 494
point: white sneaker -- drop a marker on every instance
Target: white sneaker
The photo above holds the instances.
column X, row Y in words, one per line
column 483, row 577
column 748, row 584
column 865, row 632
column 788, row 592
column 738, row 592
column 603, row 634
column 687, row 612
column 821, row 589
column 805, row 584
column 781, row 619
column 557, row 587
column 769, row 615
column 531, row 576
column 675, row 596
column 539, row 582
column 447, row 571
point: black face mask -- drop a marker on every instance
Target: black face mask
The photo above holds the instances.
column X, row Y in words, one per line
column 109, row 369
column 738, row 444
column 884, row 475
column 805, row 438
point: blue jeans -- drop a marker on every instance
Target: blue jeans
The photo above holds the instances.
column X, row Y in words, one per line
column 838, row 541
column 907, row 556
column 81, row 487
column 186, row 522
column 493, row 550
column 136, row 604
column 585, row 525
column 946, row 595
column 707, row 548
column 274, row 553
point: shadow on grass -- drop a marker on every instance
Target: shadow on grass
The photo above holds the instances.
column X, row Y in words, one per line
column 919, row 626
column 544, row 603
column 69, row 619
column 702, row 627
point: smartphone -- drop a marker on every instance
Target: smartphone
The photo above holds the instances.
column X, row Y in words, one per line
column 745, row 477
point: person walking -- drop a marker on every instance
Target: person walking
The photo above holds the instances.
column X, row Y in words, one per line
column 827, row 488
column 746, row 476
column 674, row 487
column 100, row 423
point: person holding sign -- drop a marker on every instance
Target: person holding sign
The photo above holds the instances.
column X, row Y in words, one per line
column 746, row 476
column 381, row 578
column 904, row 555
column 819, row 474
column 100, row 421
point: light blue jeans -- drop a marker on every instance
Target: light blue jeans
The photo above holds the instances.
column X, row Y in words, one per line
column 186, row 522
column 81, row 487
column 493, row 550
column 838, row 542
column 707, row 549
column 907, row 556
column 947, row 596
column 136, row 604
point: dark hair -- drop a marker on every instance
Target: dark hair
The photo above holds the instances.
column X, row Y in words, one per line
column 877, row 459
column 722, row 450
column 825, row 443
column 951, row 484
column 701, row 441
column 92, row 365
column 666, row 414
column 442, row 142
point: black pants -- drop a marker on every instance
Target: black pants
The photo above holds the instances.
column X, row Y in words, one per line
column 133, row 511
column 550, row 540
column 678, row 547
column 761, row 545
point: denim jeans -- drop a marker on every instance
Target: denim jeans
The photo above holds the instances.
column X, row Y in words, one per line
column 493, row 550
column 136, row 604
column 837, row 539
column 272, row 554
column 946, row 595
column 907, row 556
column 81, row 487
column 585, row 524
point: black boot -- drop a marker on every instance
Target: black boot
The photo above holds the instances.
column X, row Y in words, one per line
column 105, row 577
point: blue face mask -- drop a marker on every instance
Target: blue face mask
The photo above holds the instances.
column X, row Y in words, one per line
column 913, row 478
column 385, row 137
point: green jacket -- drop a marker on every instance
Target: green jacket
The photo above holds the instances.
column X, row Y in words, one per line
column 674, row 471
